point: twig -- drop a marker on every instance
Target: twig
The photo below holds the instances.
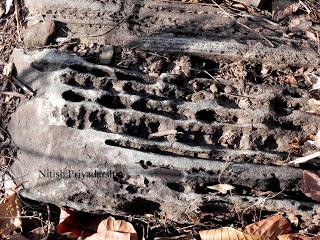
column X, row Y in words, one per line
column 24, row 87
column 49, row 224
column 16, row 11
column 162, row 134
column 13, row 94
column 305, row 6
column 243, row 25
column 252, row 17
column 306, row 158
column 318, row 41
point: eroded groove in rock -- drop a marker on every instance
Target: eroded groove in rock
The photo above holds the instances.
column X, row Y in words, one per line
column 82, row 123
column 171, row 26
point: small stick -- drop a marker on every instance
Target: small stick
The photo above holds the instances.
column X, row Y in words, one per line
column 243, row 25
column 16, row 10
column 305, row 6
column 318, row 41
column 162, row 134
column 13, row 94
column 25, row 88
column 306, row 158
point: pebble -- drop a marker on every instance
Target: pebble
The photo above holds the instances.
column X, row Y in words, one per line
column 106, row 55
column 39, row 34
column 213, row 88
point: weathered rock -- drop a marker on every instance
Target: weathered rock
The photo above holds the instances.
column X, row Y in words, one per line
column 106, row 55
column 170, row 26
column 86, row 145
column 38, row 35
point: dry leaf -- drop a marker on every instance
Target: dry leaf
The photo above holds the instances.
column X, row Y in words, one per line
column 10, row 213
column 296, row 237
column 183, row 237
column 292, row 81
column 293, row 220
column 226, row 233
column 222, row 188
column 114, row 229
column 74, row 226
column 311, row 185
column 286, row 12
column 295, row 143
column 269, row 228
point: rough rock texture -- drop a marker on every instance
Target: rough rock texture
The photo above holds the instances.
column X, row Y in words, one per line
column 88, row 118
column 175, row 26
column 39, row 34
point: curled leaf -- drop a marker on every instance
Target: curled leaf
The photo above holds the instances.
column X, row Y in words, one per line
column 226, row 233
column 183, row 237
column 10, row 213
column 75, row 225
column 311, row 185
column 286, row 12
column 269, row 228
column 114, row 229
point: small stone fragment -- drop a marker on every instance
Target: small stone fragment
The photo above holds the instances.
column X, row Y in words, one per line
column 182, row 66
column 39, row 34
column 300, row 23
column 213, row 88
column 106, row 55
column 244, row 103
column 202, row 95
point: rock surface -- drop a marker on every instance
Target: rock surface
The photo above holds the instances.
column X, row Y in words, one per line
column 38, row 35
column 84, row 143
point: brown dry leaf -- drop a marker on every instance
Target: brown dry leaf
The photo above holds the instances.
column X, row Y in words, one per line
column 311, row 185
column 293, row 220
column 73, row 226
column 10, row 215
column 292, row 81
column 114, row 229
column 182, row 237
column 226, row 233
column 286, row 12
column 222, row 188
column 269, row 228
column 296, row 237
column 295, row 143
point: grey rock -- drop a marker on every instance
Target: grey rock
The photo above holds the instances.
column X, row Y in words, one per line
column 82, row 147
column 38, row 35
column 106, row 55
